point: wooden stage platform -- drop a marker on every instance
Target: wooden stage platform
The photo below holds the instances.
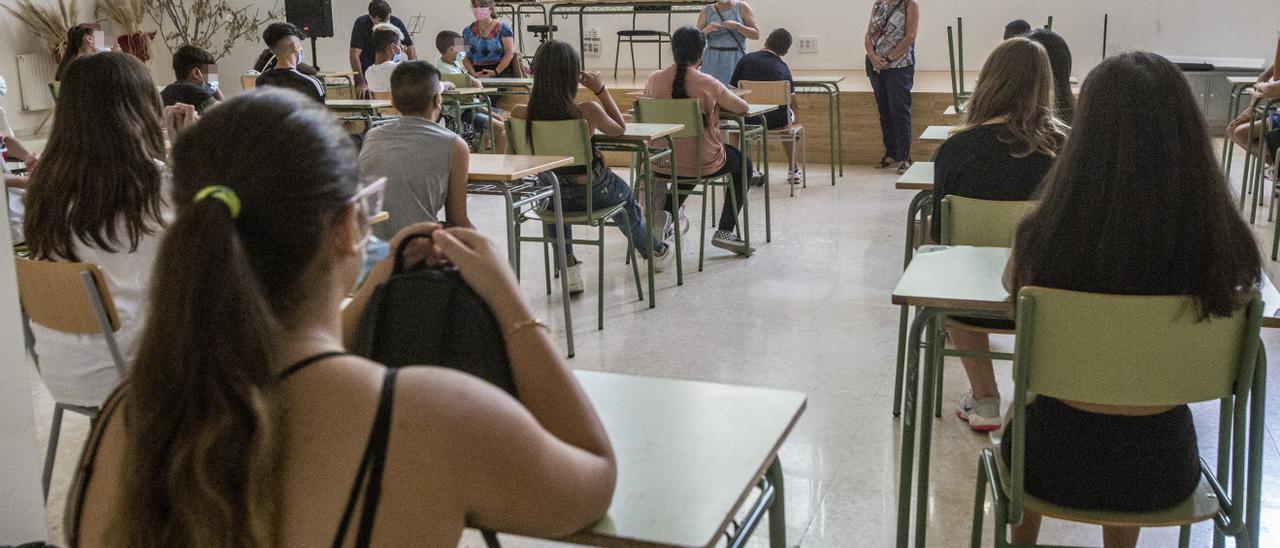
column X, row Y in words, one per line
column 860, row 122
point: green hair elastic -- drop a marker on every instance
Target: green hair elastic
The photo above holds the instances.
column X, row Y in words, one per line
column 223, row 194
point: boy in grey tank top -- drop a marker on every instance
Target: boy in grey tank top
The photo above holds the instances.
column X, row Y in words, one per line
column 425, row 164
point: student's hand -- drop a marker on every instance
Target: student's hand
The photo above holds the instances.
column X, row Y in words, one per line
column 711, row 27
column 31, row 161
column 732, row 25
column 486, row 73
column 362, row 89
column 450, row 85
column 420, row 250
column 1268, row 89
column 482, row 264
column 591, row 81
column 178, row 117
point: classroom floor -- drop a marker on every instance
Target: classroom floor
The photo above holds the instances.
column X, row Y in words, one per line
column 809, row 312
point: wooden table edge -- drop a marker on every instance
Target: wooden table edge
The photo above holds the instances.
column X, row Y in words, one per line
column 542, row 168
column 958, row 306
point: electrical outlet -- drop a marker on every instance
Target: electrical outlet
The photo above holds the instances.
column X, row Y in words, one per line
column 807, row 44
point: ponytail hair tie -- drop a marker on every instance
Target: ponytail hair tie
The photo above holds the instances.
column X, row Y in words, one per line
column 223, row 194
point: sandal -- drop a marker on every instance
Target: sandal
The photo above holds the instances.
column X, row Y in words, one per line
column 885, row 161
column 903, row 166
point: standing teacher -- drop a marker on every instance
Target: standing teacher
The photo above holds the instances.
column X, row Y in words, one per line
column 728, row 24
column 891, row 66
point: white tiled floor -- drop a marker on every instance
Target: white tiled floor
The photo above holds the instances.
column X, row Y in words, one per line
column 810, row 312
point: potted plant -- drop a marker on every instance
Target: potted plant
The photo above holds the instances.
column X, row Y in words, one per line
column 214, row 25
column 49, row 23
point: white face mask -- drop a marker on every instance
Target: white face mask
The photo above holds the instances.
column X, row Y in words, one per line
column 212, row 80
column 302, row 55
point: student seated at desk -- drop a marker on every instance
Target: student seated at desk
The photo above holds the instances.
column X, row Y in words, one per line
column 1266, row 88
column 1017, row 27
column 683, row 80
column 425, row 164
column 387, row 52
column 194, row 69
column 101, row 195
column 245, row 422
column 285, row 42
column 1001, row 151
column 452, row 51
column 1060, row 62
column 555, row 86
column 767, row 65
column 1136, row 205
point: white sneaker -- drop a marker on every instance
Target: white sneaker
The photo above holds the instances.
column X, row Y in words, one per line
column 668, row 257
column 575, row 278
column 661, row 231
column 684, row 221
column 731, row 242
column 982, row 415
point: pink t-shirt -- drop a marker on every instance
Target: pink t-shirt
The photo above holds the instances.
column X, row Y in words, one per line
column 708, row 91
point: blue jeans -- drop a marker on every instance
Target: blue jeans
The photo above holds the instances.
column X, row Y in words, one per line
column 608, row 191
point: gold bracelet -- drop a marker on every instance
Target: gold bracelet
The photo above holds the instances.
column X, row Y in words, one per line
column 520, row 325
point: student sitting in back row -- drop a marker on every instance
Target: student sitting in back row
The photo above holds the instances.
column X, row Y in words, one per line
column 767, row 65
column 1001, row 151
column 195, row 85
column 425, row 163
column 387, row 51
column 1017, row 27
column 452, row 51
column 285, row 42
column 555, row 89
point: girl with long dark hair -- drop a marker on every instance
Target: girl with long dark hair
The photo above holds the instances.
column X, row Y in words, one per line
column 683, row 80
column 245, row 422
column 100, row 195
column 1060, row 61
column 1135, row 205
column 556, row 80
column 80, row 42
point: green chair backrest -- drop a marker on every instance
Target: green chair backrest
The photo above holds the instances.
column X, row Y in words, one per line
column 54, row 87
column 672, row 111
column 1132, row 350
column 552, row 138
column 982, row 223
column 459, row 80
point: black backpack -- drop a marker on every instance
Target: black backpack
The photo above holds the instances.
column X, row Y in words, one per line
column 430, row 316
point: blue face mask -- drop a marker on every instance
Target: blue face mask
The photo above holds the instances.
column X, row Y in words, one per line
column 396, row 59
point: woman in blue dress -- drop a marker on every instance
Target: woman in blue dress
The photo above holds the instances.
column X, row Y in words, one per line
column 728, row 25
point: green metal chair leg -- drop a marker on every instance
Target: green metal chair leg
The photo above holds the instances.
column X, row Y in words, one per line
column 979, row 502
column 941, row 370
column 899, row 364
column 1184, row 536
column 631, row 254
column 600, row 279
column 778, row 508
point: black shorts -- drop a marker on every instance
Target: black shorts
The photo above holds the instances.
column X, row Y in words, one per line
column 1113, row 463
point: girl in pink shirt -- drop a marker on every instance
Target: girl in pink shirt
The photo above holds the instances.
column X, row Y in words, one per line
column 684, row 81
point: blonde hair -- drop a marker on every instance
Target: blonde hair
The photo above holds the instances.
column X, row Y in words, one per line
column 389, row 27
column 1016, row 83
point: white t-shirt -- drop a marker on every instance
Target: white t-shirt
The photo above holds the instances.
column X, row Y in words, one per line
column 379, row 76
column 78, row 369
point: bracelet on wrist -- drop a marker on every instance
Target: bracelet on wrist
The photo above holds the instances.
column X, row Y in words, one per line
column 601, row 90
column 522, row 325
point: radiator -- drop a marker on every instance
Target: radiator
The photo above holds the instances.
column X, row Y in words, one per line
column 35, row 72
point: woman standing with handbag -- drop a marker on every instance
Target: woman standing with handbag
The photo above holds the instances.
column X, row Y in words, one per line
column 891, row 66
column 727, row 24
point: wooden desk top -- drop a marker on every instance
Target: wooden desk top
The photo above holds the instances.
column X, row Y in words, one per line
column 1240, row 81
column 949, row 111
column 962, row 278
column 358, row 104
column 936, row 133
column 800, row 80
column 624, row 2
column 918, row 177
column 689, row 454
column 508, row 167
column 644, row 132
column 736, row 91
column 511, row 82
column 339, row 74
column 754, row 110
column 466, row 91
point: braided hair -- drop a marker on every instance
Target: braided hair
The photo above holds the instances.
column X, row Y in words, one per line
column 687, row 45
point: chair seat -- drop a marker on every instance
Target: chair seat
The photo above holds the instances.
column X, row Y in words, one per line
column 793, row 128
column 635, row 33
column 1200, row 506
column 960, row 323
column 543, row 29
column 580, row 217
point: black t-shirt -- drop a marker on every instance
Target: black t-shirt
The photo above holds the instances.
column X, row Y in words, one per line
column 979, row 163
column 199, row 96
column 362, row 38
column 292, row 79
column 765, row 66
